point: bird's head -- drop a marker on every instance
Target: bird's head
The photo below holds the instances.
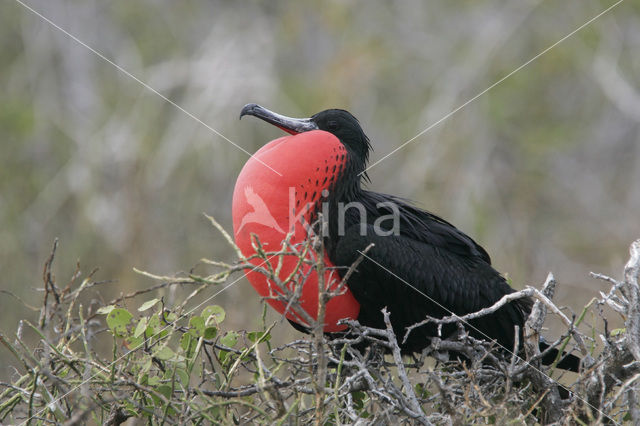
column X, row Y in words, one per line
column 342, row 124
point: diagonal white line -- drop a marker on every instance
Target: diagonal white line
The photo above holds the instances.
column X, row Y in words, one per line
column 509, row 351
column 142, row 83
column 55, row 401
column 493, row 85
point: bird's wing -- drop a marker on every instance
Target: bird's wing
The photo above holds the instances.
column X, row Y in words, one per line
column 415, row 279
column 421, row 225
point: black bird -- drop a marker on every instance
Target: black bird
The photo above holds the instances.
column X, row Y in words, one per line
column 420, row 264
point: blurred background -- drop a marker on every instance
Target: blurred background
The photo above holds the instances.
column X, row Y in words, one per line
column 543, row 170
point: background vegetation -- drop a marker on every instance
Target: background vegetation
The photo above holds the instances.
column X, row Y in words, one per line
column 540, row 170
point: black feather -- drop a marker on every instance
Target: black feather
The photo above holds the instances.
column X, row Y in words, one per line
column 427, row 268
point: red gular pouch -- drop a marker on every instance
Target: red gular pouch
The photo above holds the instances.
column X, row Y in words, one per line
column 270, row 205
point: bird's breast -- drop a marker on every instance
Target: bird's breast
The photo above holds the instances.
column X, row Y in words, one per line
column 285, row 197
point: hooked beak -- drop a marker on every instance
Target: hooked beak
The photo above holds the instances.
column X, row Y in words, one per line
column 290, row 125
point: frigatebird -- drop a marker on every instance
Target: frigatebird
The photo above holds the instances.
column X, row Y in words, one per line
column 420, row 264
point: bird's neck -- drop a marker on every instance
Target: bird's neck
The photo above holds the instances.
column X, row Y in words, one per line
column 345, row 200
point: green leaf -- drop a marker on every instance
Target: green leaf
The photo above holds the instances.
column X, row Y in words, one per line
column 210, row 333
column 213, row 313
column 117, row 320
column 105, row 309
column 229, row 339
column 256, row 335
column 153, row 326
column 146, row 365
column 422, row 390
column 164, row 390
column 148, row 304
column 183, row 376
column 131, row 409
column 187, row 342
column 147, row 410
column 618, row 331
column 165, row 353
column 358, row 399
column 141, row 327
column 134, row 343
column 197, row 323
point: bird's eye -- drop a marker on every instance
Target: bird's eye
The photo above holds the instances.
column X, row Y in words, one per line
column 332, row 125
